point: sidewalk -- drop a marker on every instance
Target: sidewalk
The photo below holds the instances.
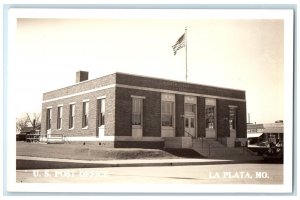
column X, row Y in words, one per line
column 26, row 162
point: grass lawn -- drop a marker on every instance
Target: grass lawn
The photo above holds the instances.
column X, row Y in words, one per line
column 94, row 152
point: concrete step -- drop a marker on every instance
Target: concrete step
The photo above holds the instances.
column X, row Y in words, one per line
column 223, row 153
column 208, row 142
column 208, row 146
column 214, row 149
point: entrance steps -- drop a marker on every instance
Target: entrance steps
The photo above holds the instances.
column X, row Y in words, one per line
column 55, row 139
column 211, row 148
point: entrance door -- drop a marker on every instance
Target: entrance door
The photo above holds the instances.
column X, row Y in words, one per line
column 190, row 127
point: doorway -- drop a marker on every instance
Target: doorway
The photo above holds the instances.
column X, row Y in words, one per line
column 189, row 126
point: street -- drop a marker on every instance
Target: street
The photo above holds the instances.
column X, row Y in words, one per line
column 196, row 174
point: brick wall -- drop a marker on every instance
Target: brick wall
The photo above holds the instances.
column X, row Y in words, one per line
column 151, row 112
column 177, row 86
column 222, row 118
column 241, row 120
column 43, row 118
column 81, row 87
column 92, row 120
column 200, row 116
column 119, row 105
column 123, row 112
column 179, row 131
column 223, row 112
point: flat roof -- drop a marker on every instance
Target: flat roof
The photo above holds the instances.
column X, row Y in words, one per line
column 253, row 135
column 120, row 79
column 178, row 81
column 143, row 76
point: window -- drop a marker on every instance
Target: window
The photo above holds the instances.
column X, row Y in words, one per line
column 71, row 116
column 186, row 122
column 191, row 108
column 101, row 112
column 232, row 118
column 137, row 110
column 59, row 117
column 210, row 116
column 192, row 122
column 85, row 114
column 48, row 118
column 167, row 113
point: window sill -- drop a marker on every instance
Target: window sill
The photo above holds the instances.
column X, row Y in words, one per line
column 85, row 127
column 71, row 128
column 137, row 126
column 167, row 127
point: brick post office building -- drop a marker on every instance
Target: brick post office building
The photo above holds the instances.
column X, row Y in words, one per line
column 124, row 110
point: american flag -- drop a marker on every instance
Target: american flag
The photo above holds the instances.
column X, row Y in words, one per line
column 179, row 44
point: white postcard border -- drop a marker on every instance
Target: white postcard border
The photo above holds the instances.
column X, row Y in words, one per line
column 286, row 15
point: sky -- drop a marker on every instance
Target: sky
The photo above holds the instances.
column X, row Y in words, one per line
column 240, row 54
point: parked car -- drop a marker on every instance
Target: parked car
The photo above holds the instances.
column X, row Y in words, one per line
column 263, row 144
column 279, row 144
column 274, row 153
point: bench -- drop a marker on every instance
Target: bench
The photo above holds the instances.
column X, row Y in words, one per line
column 32, row 137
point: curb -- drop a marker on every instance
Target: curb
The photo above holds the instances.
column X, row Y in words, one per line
column 24, row 164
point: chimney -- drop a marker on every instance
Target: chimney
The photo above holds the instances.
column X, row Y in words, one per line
column 82, row 76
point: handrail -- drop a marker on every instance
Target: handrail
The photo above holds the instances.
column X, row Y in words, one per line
column 202, row 145
column 189, row 134
column 32, row 134
column 209, row 148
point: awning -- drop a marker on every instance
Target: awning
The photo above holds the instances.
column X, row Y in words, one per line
column 273, row 130
column 253, row 135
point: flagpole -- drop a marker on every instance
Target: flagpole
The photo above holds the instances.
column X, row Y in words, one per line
column 186, row 76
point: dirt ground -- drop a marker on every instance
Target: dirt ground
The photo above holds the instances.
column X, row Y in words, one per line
column 95, row 152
